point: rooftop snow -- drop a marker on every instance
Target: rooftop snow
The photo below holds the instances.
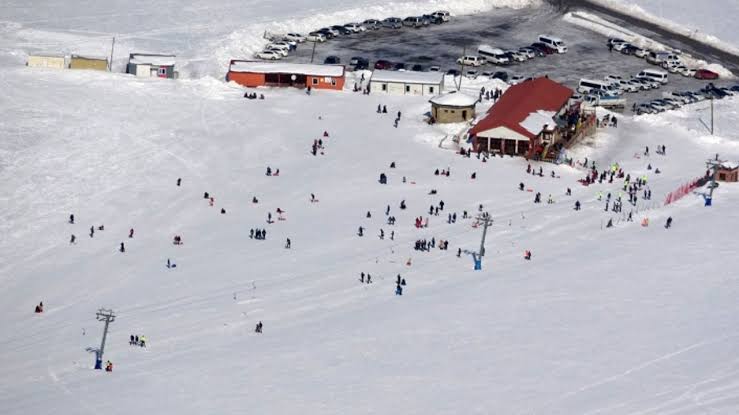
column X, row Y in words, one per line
column 454, row 99
column 536, row 121
column 291, row 68
column 407, row 77
column 730, row 165
column 158, row 60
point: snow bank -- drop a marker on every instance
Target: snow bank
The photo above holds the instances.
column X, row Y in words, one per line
column 609, row 29
column 710, row 22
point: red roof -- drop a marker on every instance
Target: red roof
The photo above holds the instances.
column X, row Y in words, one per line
column 520, row 100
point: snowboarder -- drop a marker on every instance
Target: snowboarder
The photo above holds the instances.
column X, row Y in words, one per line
column 402, row 205
column 40, row 307
column 223, row 211
column 610, row 223
column 474, row 175
column 312, row 198
column 384, row 109
column 369, row 215
column 122, row 248
column 206, row 195
column 668, row 223
column 254, row 200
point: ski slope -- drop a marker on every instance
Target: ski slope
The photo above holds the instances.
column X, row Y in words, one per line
column 625, row 320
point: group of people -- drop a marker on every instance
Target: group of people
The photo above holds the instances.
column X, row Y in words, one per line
column 260, row 234
column 136, row 340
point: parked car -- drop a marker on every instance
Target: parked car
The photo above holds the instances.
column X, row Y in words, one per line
column 503, row 76
column 341, row 30
column 372, row 24
column 529, row 53
column 452, row 72
column 285, row 49
column 413, row 21
column 645, row 109
column 280, row 51
column 355, row 27
column 297, row 37
column 399, row 66
column 289, row 44
column 543, row 48
column 434, row 68
column 359, row 63
column 615, row 40
column 392, row 23
column 470, row 73
column 471, row 60
column 620, row 46
column 515, row 56
column 316, row 37
column 417, row 68
column 269, row 55
column 515, row 79
column 488, row 74
column 443, row 14
column 688, row 72
column 329, row 33
column 332, row 60
column 705, row 74
column 383, row 64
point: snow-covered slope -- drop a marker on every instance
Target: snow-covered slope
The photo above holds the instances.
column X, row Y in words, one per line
column 628, row 319
column 712, row 22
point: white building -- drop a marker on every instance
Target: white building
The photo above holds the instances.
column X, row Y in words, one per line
column 406, row 83
column 47, row 61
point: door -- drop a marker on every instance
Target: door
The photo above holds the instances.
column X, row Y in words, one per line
column 464, row 115
column 143, row 70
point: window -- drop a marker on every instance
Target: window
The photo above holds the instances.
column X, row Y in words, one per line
column 446, row 111
column 314, row 81
column 431, row 89
column 333, row 81
column 162, row 71
column 407, row 88
column 384, row 87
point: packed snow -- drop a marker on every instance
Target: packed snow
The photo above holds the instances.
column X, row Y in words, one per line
column 628, row 319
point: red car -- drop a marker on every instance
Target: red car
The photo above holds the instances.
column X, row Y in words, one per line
column 705, row 74
column 383, row 64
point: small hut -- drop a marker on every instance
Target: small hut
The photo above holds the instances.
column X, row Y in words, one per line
column 88, row 62
column 728, row 172
column 47, row 60
column 453, row 107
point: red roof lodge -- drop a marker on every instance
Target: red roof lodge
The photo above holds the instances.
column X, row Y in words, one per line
column 529, row 119
column 300, row 75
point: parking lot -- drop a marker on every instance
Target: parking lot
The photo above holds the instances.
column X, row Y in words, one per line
column 588, row 56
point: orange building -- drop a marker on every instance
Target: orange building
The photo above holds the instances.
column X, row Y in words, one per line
column 300, row 75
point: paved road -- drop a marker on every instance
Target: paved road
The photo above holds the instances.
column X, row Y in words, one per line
column 666, row 36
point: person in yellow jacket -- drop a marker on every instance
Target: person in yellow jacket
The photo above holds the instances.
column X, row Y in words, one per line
column 142, row 341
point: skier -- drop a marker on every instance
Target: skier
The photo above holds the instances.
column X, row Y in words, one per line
column 122, row 248
column 130, row 233
column 312, row 198
column 382, row 234
column 269, row 171
column 398, row 290
column 520, row 186
column 527, row 255
column 223, row 211
column 384, row 109
column 71, row 219
column 206, row 195
column 577, row 205
column 258, row 329
column 610, row 223
column 179, row 181
column 369, row 279
column 39, row 308
column 361, row 231
column 668, row 223
column 287, row 244
column 392, row 235
column 459, row 252
column 361, row 277
column 142, row 341
column 402, row 205
column 130, row 342
column 251, row 233
column 379, row 108
column 474, row 175
column 72, row 239
column 369, row 215
column 92, row 231
column 109, row 366
column 569, row 192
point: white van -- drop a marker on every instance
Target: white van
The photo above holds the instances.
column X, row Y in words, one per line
column 554, row 43
column 653, row 75
column 657, row 57
column 471, row 60
column 588, row 86
column 493, row 55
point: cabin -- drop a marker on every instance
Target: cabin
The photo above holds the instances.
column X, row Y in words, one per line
column 254, row 74
column 728, row 172
column 406, row 82
column 452, row 108
column 88, row 62
column 151, row 65
column 534, row 119
column 49, row 60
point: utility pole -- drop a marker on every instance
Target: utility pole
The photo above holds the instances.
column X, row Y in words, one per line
column 713, row 164
column 110, row 64
column 710, row 129
column 486, row 221
column 313, row 53
column 108, row 317
column 461, row 68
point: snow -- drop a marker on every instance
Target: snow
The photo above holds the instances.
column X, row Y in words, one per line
column 281, row 67
column 627, row 320
column 157, row 60
column 712, row 22
column 407, row 77
column 536, row 121
column 731, row 165
column 454, row 99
